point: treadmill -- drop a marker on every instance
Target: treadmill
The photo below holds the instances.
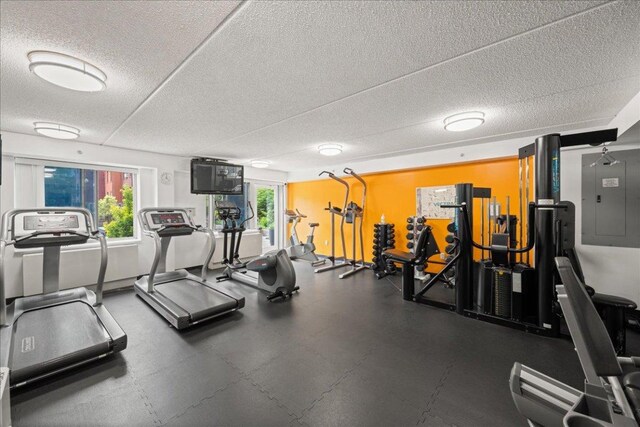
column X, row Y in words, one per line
column 179, row 296
column 45, row 334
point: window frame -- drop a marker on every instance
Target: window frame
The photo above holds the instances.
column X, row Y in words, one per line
column 39, row 172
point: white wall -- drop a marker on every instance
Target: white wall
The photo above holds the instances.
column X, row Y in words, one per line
column 149, row 192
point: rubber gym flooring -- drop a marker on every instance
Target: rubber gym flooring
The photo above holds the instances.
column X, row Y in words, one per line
column 341, row 353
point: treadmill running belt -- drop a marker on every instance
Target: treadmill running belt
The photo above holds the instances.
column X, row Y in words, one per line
column 196, row 299
column 51, row 338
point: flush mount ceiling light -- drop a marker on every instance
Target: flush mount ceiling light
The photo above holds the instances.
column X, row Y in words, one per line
column 56, row 130
column 67, row 71
column 261, row 164
column 330, row 149
column 464, row 121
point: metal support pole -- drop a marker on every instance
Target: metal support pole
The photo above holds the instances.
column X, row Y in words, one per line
column 50, row 269
column 464, row 269
column 527, row 199
column 3, row 301
column 104, row 257
column 520, row 205
column 547, row 192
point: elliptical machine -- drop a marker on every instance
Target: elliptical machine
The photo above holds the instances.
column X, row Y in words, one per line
column 276, row 274
column 298, row 250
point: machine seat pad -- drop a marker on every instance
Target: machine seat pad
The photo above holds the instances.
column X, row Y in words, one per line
column 613, row 300
column 313, row 224
column 400, row 256
column 631, row 384
column 632, row 380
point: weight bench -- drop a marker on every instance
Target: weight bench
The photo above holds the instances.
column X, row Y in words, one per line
column 425, row 248
column 612, row 309
column 610, row 398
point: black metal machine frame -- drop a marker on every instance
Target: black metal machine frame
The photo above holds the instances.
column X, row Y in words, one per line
column 549, row 227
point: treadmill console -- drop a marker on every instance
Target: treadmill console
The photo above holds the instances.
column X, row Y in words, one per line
column 168, row 218
column 49, row 228
column 168, row 222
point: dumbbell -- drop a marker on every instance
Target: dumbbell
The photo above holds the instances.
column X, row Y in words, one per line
column 449, row 238
column 410, row 245
column 409, row 227
column 410, row 236
column 420, row 220
column 451, row 227
column 410, row 220
column 419, row 227
column 449, row 248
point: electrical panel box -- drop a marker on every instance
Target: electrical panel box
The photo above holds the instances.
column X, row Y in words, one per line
column 611, row 199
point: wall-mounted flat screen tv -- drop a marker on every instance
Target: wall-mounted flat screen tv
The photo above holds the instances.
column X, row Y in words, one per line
column 210, row 176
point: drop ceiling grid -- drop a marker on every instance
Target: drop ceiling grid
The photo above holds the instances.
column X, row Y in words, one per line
column 548, row 68
column 135, row 43
column 275, row 60
column 523, row 120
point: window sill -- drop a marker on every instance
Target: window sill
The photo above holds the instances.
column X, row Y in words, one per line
column 116, row 243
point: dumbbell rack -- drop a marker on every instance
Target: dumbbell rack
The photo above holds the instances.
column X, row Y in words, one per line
column 415, row 224
column 383, row 238
column 449, row 251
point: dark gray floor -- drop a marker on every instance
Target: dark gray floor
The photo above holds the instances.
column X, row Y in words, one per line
column 342, row 352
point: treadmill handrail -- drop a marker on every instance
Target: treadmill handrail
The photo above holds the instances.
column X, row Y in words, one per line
column 4, row 230
column 155, row 234
column 45, row 232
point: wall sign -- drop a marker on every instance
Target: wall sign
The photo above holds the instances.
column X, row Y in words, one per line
column 610, row 182
column 430, row 199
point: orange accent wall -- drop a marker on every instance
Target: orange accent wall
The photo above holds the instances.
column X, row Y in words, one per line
column 394, row 195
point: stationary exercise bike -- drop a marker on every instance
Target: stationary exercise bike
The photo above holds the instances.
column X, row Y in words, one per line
column 298, row 250
column 276, row 274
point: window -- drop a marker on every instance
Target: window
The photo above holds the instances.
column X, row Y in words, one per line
column 107, row 194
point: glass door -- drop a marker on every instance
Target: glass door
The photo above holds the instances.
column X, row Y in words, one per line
column 267, row 215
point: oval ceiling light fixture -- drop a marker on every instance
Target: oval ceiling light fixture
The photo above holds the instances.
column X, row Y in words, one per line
column 260, row 164
column 330, row 149
column 56, row 130
column 464, row 121
column 67, row 71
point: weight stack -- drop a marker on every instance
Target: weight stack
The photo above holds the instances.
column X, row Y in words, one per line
column 415, row 224
column 502, row 284
column 384, row 237
column 524, row 292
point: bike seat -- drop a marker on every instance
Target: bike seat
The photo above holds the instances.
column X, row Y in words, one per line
column 313, row 224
